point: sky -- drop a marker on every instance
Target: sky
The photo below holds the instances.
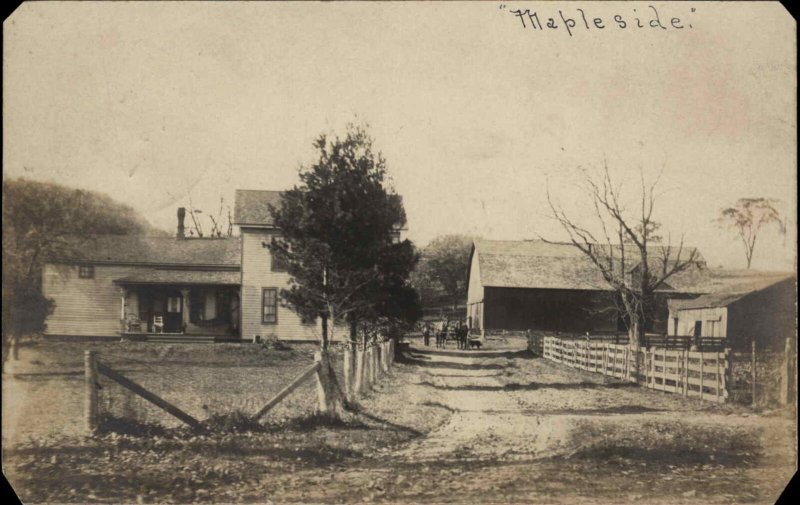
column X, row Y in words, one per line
column 478, row 116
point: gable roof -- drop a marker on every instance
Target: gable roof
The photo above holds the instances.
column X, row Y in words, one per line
column 546, row 265
column 251, row 207
column 135, row 249
column 733, row 285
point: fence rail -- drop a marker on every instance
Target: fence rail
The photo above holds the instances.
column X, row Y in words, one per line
column 371, row 364
column 703, row 374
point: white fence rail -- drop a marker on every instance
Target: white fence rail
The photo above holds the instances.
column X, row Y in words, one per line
column 690, row 373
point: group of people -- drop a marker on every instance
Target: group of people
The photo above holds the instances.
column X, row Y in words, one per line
column 445, row 329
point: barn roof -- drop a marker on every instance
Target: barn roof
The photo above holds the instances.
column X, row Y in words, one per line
column 251, row 207
column 732, row 285
column 134, row 249
column 546, row 265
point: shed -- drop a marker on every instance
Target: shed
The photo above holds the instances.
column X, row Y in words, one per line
column 762, row 307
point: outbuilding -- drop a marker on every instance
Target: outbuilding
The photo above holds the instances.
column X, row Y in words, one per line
column 761, row 308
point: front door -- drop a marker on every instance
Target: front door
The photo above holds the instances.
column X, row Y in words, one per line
column 173, row 320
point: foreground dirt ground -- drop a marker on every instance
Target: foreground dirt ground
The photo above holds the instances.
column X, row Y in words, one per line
column 490, row 426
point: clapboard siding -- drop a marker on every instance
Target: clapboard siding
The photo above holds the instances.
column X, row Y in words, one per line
column 687, row 318
column 84, row 306
column 257, row 274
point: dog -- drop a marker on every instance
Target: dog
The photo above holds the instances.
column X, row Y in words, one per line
column 475, row 344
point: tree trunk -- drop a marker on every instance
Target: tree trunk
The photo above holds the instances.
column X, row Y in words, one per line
column 324, row 343
column 349, row 373
column 636, row 339
column 329, row 394
column 353, row 335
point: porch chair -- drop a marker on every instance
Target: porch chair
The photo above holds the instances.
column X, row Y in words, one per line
column 158, row 324
column 133, row 323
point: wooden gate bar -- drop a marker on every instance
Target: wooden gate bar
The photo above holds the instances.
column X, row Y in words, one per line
column 147, row 395
column 288, row 389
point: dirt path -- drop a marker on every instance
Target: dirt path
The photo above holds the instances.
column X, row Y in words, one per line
column 526, row 430
column 488, row 421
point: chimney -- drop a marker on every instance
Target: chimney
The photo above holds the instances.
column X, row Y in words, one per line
column 181, row 216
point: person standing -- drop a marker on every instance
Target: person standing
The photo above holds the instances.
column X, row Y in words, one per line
column 426, row 334
column 442, row 336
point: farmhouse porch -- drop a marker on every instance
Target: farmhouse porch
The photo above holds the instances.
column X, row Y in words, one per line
column 175, row 302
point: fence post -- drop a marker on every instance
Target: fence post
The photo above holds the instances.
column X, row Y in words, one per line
column 90, row 386
column 376, row 363
column 358, row 380
column 720, row 380
column 685, row 371
column 727, row 374
column 371, row 361
column 322, row 396
column 367, row 380
column 702, row 371
column 385, row 356
column 381, row 359
column 349, row 358
column 753, row 370
column 787, row 372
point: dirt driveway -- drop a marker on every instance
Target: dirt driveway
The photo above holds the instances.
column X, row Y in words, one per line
column 525, row 430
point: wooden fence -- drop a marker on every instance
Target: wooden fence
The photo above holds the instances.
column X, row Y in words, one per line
column 690, row 373
column 371, row 363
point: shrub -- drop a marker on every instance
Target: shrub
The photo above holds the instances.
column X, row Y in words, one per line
column 236, row 421
column 110, row 423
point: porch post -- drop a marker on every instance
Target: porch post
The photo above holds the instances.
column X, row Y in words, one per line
column 123, row 292
column 185, row 307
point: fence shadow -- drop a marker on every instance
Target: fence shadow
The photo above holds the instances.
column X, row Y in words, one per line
column 531, row 386
column 619, row 409
column 409, row 360
column 522, row 353
column 384, row 422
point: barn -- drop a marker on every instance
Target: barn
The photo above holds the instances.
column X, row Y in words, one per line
column 537, row 285
column 760, row 308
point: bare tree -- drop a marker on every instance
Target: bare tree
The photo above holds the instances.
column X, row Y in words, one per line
column 748, row 217
column 633, row 259
column 218, row 227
